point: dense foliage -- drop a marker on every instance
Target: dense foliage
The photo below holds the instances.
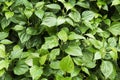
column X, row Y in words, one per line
column 59, row 39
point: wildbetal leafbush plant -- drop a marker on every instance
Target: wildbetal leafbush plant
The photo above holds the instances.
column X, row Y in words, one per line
column 59, row 39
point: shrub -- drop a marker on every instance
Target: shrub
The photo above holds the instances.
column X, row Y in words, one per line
column 59, row 39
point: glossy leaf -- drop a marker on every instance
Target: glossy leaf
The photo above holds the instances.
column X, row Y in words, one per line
column 20, row 68
column 74, row 50
column 106, row 68
column 36, row 72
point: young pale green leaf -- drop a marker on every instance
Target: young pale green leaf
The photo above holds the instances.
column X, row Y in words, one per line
column 28, row 13
column 66, row 64
column 3, row 35
column 9, row 14
column 50, row 42
column 88, row 15
column 74, row 36
column 6, row 41
column 75, row 16
column 53, row 6
column 115, row 2
column 62, row 35
column 21, row 68
column 9, row 3
column 18, row 28
column 43, row 59
column 39, row 13
column 106, row 68
column 49, row 21
column 114, row 54
column 54, row 53
column 74, row 50
column 115, row 28
column 36, row 72
column 60, row 20
column 2, row 71
column 2, row 51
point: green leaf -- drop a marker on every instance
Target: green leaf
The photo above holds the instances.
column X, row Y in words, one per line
column 85, row 60
column 106, row 68
column 36, row 72
column 75, row 16
column 39, row 5
column 4, row 64
column 27, row 4
column 54, row 53
column 74, row 36
column 2, row 72
column 74, row 50
column 6, row 41
column 31, row 31
column 23, row 36
column 18, row 27
column 88, row 15
column 53, row 6
column 9, row 3
column 83, row 4
column 112, row 41
column 75, row 72
column 20, row 68
column 17, row 52
column 69, row 21
column 50, row 42
column 43, row 59
column 85, row 70
column 115, row 2
column 60, row 20
column 39, row 13
column 49, row 21
column 115, row 28
column 28, row 13
column 66, row 64
column 29, row 62
column 68, row 6
column 97, row 44
column 3, row 35
column 114, row 54
column 4, row 23
column 55, row 64
column 9, row 14
column 63, row 35
column 97, row 55
column 2, row 51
